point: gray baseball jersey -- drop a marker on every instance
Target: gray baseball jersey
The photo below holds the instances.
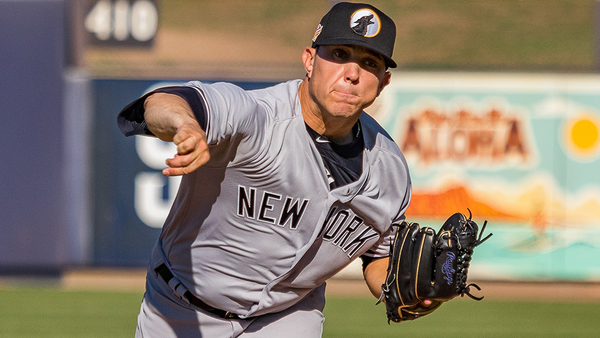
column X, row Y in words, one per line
column 258, row 227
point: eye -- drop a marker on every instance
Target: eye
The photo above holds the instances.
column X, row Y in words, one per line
column 339, row 54
column 371, row 63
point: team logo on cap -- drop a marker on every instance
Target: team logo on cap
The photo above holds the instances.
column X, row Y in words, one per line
column 365, row 22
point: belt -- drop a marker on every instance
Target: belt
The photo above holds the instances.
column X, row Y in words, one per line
column 166, row 274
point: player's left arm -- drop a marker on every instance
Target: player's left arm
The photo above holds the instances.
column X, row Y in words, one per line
column 375, row 273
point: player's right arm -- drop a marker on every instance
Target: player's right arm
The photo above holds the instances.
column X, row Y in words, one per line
column 170, row 118
column 194, row 116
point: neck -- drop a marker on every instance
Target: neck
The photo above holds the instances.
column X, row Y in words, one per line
column 336, row 129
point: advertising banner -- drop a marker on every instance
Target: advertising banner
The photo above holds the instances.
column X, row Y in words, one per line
column 518, row 150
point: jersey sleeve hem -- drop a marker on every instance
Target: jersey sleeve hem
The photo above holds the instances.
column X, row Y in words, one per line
column 131, row 118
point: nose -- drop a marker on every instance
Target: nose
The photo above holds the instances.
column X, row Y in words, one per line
column 351, row 72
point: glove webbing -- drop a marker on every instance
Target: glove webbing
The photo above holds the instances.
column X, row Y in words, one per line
column 464, row 260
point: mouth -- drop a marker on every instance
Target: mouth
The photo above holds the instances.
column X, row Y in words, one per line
column 345, row 96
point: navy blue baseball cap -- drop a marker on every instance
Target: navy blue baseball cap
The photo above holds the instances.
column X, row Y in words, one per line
column 358, row 24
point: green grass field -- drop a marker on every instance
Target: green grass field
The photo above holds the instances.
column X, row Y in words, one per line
column 352, row 317
column 47, row 312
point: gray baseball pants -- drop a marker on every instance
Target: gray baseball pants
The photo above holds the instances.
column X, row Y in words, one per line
column 162, row 315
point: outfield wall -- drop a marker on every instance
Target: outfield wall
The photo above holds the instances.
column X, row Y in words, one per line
column 518, row 150
column 35, row 228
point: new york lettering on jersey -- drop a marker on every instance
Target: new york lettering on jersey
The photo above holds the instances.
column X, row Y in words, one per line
column 270, row 207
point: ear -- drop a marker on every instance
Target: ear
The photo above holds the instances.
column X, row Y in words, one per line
column 308, row 58
column 387, row 78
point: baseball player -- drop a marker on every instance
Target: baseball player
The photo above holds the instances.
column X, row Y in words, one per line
column 282, row 188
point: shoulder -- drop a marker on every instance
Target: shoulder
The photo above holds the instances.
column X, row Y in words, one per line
column 280, row 91
column 384, row 153
column 281, row 100
column 219, row 91
column 376, row 137
column 278, row 99
column 389, row 169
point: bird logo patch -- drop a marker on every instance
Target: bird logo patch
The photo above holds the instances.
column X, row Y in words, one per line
column 365, row 22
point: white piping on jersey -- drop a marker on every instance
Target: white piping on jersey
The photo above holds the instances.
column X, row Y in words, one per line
column 330, row 178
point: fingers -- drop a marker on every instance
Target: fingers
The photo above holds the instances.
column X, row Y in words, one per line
column 426, row 302
column 186, row 145
column 192, row 152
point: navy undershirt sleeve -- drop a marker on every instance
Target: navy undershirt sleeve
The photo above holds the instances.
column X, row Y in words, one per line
column 131, row 119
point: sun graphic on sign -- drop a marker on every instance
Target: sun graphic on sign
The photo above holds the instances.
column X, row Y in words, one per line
column 582, row 136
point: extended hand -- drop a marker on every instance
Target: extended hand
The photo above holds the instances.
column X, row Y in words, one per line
column 192, row 150
column 171, row 119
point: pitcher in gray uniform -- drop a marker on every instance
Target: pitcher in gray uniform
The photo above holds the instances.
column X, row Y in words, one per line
column 282, row 188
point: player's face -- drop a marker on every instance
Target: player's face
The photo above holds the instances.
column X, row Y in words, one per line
column 344, row 79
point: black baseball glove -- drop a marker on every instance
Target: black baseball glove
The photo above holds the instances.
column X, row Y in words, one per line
column 424, row 264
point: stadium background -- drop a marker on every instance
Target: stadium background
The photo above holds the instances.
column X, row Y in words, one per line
column 69, row 216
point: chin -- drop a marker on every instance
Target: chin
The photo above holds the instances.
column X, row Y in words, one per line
column 345, row 111
column 344, row 114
